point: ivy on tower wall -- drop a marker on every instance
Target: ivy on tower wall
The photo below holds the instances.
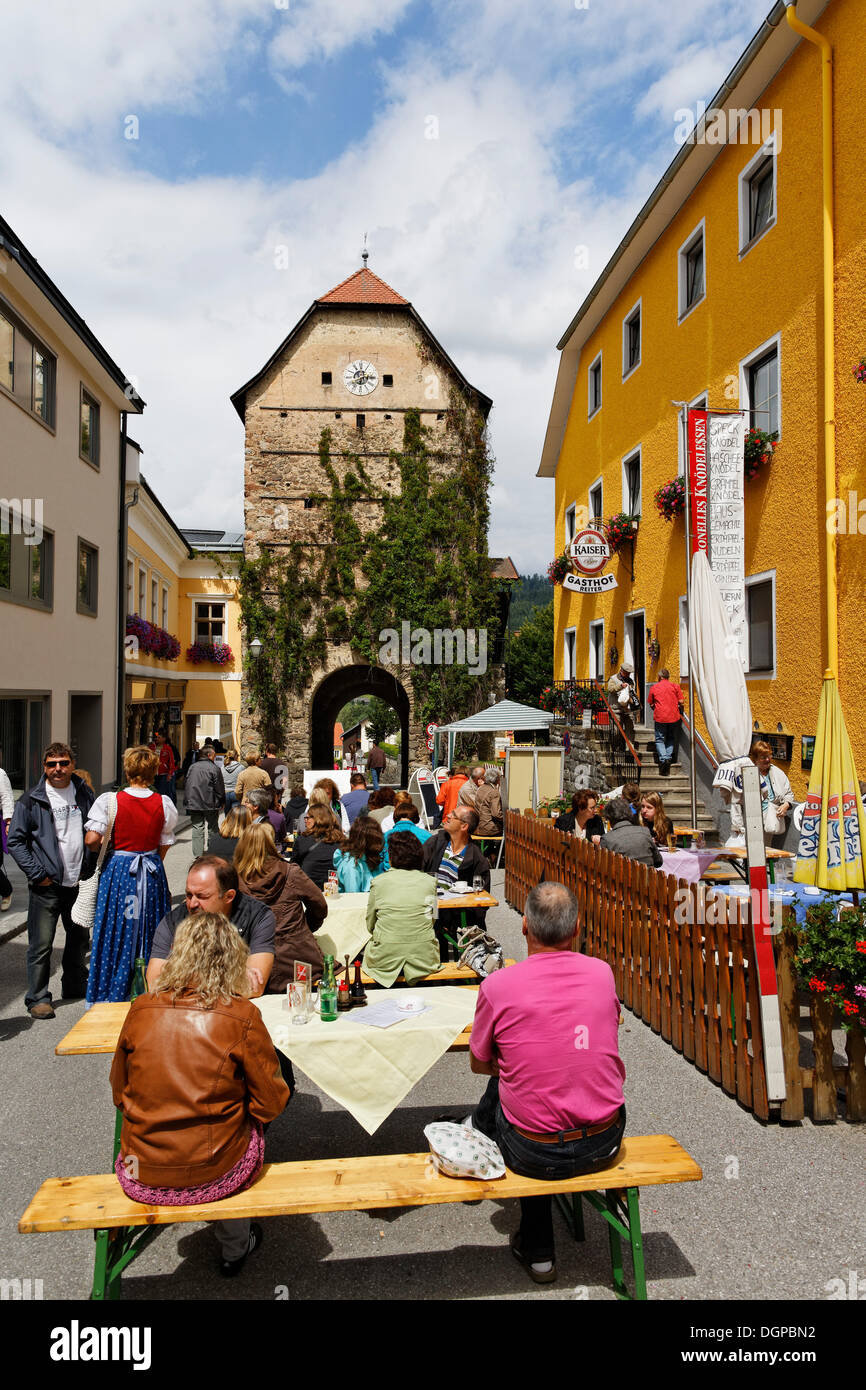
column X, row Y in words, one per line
column 426, row 564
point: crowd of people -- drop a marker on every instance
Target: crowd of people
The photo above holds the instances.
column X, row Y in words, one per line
column 250, row 912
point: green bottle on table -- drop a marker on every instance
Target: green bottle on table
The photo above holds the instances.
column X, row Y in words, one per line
column 328, row 993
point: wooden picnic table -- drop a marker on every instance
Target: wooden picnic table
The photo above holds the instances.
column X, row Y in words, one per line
column 98, row 1030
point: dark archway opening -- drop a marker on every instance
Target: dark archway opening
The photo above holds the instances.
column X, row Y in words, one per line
column 336, row 691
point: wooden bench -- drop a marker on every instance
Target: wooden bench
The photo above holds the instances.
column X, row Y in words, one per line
column 359, row 1184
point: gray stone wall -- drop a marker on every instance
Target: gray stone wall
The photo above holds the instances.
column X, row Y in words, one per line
column 583, row 766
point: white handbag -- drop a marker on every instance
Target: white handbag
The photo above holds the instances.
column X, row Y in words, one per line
column 84, row 908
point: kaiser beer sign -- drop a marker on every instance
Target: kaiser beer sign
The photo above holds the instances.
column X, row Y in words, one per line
column 589, row 552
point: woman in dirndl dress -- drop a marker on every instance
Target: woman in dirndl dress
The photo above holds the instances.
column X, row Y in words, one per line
column 133, row 890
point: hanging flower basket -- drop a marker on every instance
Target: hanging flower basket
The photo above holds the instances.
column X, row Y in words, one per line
column 559, row 568
column 217, row 652
column 152, row 639
column 619, row 529
column 759, row 450
column 860, row 370
column 670, row 498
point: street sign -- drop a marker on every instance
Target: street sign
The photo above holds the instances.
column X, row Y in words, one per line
column 590, row 551
column 431, row 729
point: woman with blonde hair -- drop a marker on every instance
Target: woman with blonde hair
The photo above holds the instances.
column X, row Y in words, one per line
column 133, row 891
column 298, row 904
column 652, row 815
column 329, row 786
column 231, row 828
column 196, row 1077
column 777, row 798
column 314, row 849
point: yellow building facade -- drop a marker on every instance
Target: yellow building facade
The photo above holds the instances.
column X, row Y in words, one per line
column 176, row 585
column 715, row 298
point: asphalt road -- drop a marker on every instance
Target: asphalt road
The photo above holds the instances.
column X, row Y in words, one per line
column 778, row 1215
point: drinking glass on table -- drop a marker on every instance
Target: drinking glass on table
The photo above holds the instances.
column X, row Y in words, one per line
column 478, row 884
column 300, row 1004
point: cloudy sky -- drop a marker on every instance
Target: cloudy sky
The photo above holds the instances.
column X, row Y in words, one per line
column 194, row 174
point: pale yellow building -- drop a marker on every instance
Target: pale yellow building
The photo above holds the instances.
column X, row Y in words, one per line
column 187, row 599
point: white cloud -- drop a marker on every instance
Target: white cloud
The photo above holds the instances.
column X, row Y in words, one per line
column 316, row 29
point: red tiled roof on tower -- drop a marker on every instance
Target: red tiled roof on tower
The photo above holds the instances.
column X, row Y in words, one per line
column 363, row 287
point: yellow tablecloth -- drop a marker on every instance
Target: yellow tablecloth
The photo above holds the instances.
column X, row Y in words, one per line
column 368, row 1070
column 344, row 930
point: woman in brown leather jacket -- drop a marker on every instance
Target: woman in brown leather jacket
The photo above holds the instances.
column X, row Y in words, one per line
column 298, row 904
column 196, row 1077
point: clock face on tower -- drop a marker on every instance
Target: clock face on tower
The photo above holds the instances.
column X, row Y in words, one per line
column 361, row 377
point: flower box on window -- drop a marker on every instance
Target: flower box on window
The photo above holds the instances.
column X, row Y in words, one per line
column 219, row 653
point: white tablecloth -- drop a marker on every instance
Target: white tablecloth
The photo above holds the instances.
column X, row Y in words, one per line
column 370, row 1070
column 344, row 930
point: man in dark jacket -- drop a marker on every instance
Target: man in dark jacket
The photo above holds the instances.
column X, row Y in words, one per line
column 204, row 792
column 451, row 857
column 46, row 840
column 624, row 837
column 376, row 763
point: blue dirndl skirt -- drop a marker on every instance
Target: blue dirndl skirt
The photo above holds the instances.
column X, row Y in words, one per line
column 133, row 898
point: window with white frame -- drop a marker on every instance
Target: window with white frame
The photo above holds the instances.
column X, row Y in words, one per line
column 691, row 272
column 699, row 403
column 594, row 380
column 142, row 592
column 570, row 647
column 130, row 586
column 154, row 601
column 570, row 522
column 164, row 607
column 758, row 196
column 761, row 623
column 631, row 489
column 596, row 648
column 684, row 638
column 596, row 502
column 760, row 387
column 210, row 622
column 631, row 341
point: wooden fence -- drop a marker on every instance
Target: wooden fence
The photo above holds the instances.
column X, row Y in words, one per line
column 682, row 960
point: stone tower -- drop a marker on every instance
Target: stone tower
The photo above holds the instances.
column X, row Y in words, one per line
column 358, row 359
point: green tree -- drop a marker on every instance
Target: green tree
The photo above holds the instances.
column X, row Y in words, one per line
column 383, row 719
column 529, row 657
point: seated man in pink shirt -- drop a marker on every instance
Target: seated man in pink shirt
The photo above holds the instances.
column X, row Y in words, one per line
column 545, row 1032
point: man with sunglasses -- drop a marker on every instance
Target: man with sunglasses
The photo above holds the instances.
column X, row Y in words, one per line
column 46, row 840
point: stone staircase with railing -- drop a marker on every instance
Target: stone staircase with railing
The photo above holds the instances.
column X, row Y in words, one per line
column 674, row 789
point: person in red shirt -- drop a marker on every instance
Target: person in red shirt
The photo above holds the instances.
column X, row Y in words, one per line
column 450, row 790
column 167, row 768
column 545, row 1032
column 666, row 703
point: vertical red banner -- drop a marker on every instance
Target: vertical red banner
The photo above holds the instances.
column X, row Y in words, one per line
column 697, row 462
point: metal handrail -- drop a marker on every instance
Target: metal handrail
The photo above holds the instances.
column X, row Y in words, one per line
column 635, row 754
column 704, row 746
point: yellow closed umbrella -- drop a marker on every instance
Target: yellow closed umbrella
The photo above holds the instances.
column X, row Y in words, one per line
column 833, row 836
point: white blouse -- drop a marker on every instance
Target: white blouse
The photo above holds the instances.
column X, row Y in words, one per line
column 97, row 817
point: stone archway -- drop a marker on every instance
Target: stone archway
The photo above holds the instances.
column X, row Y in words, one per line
column 343, row 685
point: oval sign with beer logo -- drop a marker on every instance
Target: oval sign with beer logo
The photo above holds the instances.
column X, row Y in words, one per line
column 590, row 551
